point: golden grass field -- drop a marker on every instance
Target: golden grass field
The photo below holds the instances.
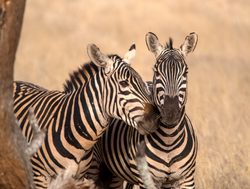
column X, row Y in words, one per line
column 54, row 39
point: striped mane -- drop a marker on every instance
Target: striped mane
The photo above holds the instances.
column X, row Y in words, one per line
column 169, row 44
column 79, row 77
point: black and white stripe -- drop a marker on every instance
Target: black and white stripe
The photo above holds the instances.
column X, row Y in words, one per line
column 171, row 150
column 75, row 118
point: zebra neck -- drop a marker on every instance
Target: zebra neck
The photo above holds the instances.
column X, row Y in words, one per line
column 87, row 119
column 168, row 135
column 93, row 95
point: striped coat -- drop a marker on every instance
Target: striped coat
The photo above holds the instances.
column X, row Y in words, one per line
column 75, row 118
column 171, row 150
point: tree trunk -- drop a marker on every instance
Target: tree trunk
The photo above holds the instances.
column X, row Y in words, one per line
column 14, row 163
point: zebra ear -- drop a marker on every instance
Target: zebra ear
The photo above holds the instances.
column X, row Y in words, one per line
column 130, row 55
column 98, row 58
column 153, row 44
column 189, row 43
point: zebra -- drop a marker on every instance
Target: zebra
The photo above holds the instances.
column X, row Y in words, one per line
column 76, row 117
column 172, row 149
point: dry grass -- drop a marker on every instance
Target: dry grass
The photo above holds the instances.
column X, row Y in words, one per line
column 54, row 39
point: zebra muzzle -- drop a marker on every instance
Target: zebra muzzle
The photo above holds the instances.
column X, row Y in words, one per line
column 170, row 111
column 171, row 116
column 150, row 120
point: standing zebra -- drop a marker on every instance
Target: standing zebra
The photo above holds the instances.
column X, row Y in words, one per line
column 75, row 118
column 171, row 150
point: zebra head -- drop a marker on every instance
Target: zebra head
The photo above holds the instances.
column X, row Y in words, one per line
column 125, row 95
column 170, row 76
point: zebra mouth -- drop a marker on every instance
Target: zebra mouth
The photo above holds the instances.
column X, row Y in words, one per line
column 149, row 122
column 168, row 122
column 172, row 118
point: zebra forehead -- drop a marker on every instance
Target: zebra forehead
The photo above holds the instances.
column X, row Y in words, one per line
column 173, row 53
column 137, row 76
column 133, row 75
column 170, row 59
column 125, row 70
column 115, row 57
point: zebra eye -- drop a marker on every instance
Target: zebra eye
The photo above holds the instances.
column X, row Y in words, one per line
column 124, row 83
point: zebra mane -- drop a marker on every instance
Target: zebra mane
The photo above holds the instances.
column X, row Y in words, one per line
column 169, row 44
column 79, row 77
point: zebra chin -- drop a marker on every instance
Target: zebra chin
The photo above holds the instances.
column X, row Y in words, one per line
column 149, row 122
column 170, row 111
column 170, row 122
column 171, row 117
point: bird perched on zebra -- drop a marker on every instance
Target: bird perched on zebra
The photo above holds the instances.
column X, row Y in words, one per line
column 75, row 118
column 171, row 150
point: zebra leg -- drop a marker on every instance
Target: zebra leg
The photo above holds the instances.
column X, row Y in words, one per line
column 40, row 176
column 104, row 178
column 115, row 183
column 92, row 173
column 87, row 162
column 186, row 183
column 128, row 186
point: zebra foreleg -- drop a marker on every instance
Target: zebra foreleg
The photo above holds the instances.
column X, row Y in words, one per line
column 40, row 176
column 115, row 183
column 185, row 183
column 128, row 186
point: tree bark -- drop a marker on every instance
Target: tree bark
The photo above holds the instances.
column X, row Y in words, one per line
column 14, row 163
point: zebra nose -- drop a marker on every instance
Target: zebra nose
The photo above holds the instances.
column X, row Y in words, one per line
column 170, row 109
column 170, row 102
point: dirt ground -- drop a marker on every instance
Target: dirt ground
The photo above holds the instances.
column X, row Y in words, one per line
column 54, row 39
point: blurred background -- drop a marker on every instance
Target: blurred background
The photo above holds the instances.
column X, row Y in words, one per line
column 53, row 44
